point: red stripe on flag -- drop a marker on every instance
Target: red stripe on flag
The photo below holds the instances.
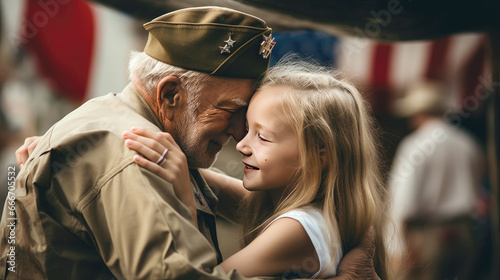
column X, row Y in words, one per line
column 62, row 40
column 380, row 76
column 437, row 59
column 381, row 61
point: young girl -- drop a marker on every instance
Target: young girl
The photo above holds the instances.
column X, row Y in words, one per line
column 311, row 188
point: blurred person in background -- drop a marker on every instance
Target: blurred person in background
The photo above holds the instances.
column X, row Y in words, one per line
column 435, row 180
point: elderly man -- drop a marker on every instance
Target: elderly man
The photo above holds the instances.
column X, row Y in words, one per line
column 82, row 209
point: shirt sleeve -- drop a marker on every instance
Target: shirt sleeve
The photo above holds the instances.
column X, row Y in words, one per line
column 142, row 231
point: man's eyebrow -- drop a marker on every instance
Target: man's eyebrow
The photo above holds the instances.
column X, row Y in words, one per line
column 237, row 101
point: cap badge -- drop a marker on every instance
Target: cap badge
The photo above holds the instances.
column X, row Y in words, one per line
column 267, row 46
column 229, row 43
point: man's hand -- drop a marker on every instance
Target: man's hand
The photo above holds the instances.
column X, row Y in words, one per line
column 358, row 263
column 23, row 153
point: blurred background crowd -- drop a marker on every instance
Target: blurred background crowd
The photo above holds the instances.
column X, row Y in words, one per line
column 428, row 96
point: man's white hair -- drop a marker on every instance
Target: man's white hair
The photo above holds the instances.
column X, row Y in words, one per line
column 149, row 72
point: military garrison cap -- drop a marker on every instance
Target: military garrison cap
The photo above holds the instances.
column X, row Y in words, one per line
column 219, row 41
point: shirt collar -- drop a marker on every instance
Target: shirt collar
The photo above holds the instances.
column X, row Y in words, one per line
column 132, row 98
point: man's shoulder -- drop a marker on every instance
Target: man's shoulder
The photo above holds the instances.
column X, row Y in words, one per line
column 100, row 121
column 86, row 147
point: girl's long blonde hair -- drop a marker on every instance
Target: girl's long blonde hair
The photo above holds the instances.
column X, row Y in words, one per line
column 339, row 164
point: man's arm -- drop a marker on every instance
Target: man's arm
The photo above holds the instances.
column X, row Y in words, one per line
column 143, row 231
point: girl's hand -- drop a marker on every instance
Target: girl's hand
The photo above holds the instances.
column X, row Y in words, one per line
column 24, row 152
column 163, row 157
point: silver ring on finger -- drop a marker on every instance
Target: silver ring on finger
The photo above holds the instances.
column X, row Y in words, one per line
column 162, row 159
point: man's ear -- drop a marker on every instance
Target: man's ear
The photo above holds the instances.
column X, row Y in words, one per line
column 167, row 94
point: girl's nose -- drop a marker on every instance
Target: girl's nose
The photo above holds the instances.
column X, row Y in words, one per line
column 243, row 148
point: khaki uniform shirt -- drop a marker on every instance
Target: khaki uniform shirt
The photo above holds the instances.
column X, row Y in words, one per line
column 82, row 209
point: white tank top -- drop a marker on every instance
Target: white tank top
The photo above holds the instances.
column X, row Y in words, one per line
column 312, row 221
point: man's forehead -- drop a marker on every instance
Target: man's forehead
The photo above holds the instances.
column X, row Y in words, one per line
column 224, row 91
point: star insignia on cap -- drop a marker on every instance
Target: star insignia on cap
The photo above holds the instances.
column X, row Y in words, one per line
column 227, row 47
column 224, row 49
column 230, row 41
column 267, row 46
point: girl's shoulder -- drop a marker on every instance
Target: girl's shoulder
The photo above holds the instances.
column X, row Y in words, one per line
column 284, row 248
column 312, row 221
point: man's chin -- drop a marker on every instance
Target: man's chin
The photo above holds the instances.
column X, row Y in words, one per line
column 206, row 157
column 214, row 148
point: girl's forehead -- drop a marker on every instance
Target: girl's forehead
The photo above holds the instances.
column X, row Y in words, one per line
column 265, row 100
column 267, row 94
column 266, row 110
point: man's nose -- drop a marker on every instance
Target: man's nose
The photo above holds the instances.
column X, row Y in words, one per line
column 236, row 127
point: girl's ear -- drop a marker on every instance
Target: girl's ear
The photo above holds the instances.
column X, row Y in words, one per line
column 167, row 94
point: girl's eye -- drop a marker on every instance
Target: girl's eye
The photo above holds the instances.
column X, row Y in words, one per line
column 262, row 138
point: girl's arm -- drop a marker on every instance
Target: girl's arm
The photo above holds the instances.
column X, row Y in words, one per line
column 229, row 190
column 173, row 169
column 284, row 247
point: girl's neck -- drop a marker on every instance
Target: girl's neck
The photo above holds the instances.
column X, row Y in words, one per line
column 276, row 195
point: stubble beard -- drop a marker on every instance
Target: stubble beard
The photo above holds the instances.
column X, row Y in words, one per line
column 190, row 142
column 196, row 152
